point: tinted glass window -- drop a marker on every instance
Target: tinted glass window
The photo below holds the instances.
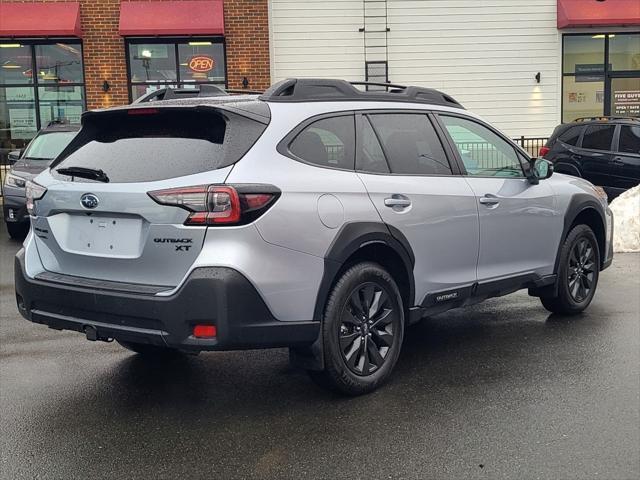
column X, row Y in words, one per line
column 371, row 157
column 598, row 137
column 411, row 144
column 329, row 142
column 483, row 152
column 167, row 144
column 630, row 139
column 571, row 135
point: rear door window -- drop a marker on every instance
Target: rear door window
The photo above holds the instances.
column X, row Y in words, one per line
column 328, row 142
column 598, row 137
column 571, row 135
column 630, row 139
column 411, row 144
column 370, row 156
column 160, row 143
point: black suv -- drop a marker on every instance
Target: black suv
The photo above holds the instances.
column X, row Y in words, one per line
column 603, row 150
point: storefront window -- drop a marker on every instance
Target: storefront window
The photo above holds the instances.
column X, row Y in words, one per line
column 39, row 82
column 176, row 64
column 601, row 75
column 584, row 54
column 59, row 63
column 624, row 52
column 582, row 97
column 202, row 62
column 15, row 63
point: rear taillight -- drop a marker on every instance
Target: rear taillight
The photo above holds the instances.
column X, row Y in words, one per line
column 33, row 192
column 543, row 151
column 219, row 204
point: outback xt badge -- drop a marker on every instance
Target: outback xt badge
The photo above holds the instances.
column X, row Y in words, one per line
column 179, row 248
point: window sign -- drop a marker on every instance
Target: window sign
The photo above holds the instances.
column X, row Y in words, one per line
column 626, row 103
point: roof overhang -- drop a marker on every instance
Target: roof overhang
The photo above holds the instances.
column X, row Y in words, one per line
column 193, row 17
column 60, row 19
column 598, row 13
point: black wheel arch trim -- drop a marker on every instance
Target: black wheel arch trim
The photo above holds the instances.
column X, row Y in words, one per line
column 352, row 237
column 578, row 204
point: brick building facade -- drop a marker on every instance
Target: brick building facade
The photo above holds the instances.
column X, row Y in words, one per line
column 117, row 43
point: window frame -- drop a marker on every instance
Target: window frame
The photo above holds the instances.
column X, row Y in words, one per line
column 128, row 41
column 284, row 144
column 35, row 85
column 453, row 164
column 517, row 150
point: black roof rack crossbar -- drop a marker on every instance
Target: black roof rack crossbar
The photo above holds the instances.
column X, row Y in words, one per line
column 327, row 90
column 203, row 90
column 605, row 117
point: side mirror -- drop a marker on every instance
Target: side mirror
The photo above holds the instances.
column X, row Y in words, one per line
column 541, row 169
column 13, row 157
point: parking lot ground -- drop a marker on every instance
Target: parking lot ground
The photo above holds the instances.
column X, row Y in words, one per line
column 499, row 390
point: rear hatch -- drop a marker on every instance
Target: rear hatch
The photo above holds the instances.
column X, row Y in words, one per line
column 105, row 226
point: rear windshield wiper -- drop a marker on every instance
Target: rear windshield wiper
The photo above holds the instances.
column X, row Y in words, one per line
column 82, row 172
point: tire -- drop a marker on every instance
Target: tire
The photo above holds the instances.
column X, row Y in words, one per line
column 148, row 350
column 362, row 331
column 578, row 273
column 17, row 231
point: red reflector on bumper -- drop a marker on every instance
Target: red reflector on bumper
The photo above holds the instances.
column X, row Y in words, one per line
column 205, row 331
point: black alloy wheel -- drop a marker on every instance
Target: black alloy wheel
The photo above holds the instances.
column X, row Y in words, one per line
column 367, row 329
column 581, row 271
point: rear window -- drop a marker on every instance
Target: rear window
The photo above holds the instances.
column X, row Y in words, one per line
column 571, row 135
column 328, row 142
column 162, row 144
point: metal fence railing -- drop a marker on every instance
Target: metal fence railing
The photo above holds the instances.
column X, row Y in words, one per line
column 531, row 144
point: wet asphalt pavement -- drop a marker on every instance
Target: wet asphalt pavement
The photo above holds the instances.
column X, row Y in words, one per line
column 500, row 390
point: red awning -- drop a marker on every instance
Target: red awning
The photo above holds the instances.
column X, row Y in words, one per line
column 609, row 13
column 40, row 19
column 195, row 17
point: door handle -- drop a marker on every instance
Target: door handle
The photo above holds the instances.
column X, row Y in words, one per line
column 397, row 201
column 617, row 161
column 489, row 200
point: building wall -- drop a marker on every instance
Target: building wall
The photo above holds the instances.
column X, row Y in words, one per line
column 484, row 53
column 246, row 35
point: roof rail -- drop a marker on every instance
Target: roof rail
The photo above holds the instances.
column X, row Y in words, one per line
column 199, row 91
column 202, row 90
column 605, row 117
column 327, row 90
column 59, row 121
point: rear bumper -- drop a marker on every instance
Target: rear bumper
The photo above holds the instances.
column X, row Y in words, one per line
column 214, row 295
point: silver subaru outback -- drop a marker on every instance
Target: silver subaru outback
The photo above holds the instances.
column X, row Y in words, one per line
column 316, row 216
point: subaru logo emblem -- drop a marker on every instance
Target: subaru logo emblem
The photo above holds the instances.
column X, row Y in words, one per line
column 89, row 200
